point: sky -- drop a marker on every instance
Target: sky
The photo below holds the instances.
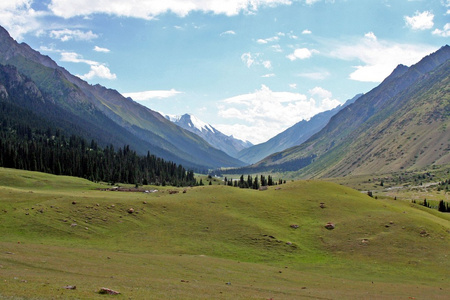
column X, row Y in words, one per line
column 250, row 68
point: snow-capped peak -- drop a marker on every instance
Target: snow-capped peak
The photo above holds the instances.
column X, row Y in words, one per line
column 200, row 125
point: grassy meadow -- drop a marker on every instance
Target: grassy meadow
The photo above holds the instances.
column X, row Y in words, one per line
column 215, row 242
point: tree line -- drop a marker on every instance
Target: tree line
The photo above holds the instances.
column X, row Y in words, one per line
column 252, row 183
column 49, row 151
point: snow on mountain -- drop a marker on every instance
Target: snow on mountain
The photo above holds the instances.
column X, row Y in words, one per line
column 214, row 137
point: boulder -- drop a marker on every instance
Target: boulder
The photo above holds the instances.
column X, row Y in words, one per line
column 108, row 291
column 330, row 226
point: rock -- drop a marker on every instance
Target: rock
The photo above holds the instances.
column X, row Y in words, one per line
column 322, row 205
column 295, row 226
column 108, row 291
column 70, row 287
column 130, row 210
column 73, row 224
column 74, row 202
column 330, row 226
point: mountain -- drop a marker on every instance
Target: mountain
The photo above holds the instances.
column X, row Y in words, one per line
column 214, row 137
column 293, row 136
column 402, row 124
column 102, row 114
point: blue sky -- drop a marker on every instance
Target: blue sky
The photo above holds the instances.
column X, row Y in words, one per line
column 251, row 68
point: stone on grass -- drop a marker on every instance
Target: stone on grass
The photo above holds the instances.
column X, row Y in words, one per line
column 108, row 291
column 70, row 287
column 130, row 210
column 330, row 226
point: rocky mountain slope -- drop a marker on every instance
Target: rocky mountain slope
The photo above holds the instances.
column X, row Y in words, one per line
column 293, row 136
column 401, row 124
column 104, row 114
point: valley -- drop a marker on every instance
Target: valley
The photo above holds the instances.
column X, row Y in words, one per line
column 215, row 242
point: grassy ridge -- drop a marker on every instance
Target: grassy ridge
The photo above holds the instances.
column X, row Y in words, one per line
column 213, row 235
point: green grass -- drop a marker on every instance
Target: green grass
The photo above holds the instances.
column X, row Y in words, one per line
column 190, row 245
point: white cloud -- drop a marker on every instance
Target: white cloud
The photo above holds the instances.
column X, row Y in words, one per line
column 268, row 40
column 318, row 91
column 255, row 59
column 264, row 113
column 444, row 33
column 67, row 34
column 420, row 21
column 268, row 75
column 247, row 59
column 315, row 75
column 379, row 57
column 301, row 53
column 276, row 48
column 311, row 2
column 96, row 69
column 267, row 64
column 100, row 71
column 99, row 49
column 293, row 86
column 19, row 18
column 371, row 35
column 229, row 32
column 151, row 9
column 306, row 31
column 149, row 95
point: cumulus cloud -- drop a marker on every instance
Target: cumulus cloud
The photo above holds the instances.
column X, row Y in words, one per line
column 151, row 9
column 99, row 49
column 149, row 95
column 318, row 91
column 306, row 31
column 301, row 53
column 260, row 115
column 97, row 69
column 379, row 57
column 420, row 21
column 67, row 34
column 100, row 71
column 19, row 18
column 445, row 32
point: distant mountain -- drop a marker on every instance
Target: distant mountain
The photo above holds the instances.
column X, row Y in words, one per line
column 293, row 136
column 102, row 114
column 214, row 137
column 402, row 124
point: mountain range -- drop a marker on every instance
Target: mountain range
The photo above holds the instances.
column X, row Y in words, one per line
column 293, row 136
column 96, row 112
column 226, row 143
column 402, row 124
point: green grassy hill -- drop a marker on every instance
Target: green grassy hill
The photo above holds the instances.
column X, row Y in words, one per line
column 215, row 242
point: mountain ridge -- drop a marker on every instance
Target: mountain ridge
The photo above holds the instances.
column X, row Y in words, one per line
column 333, row 151
column 146, row 129
column 214, row 137
column 293, row 136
